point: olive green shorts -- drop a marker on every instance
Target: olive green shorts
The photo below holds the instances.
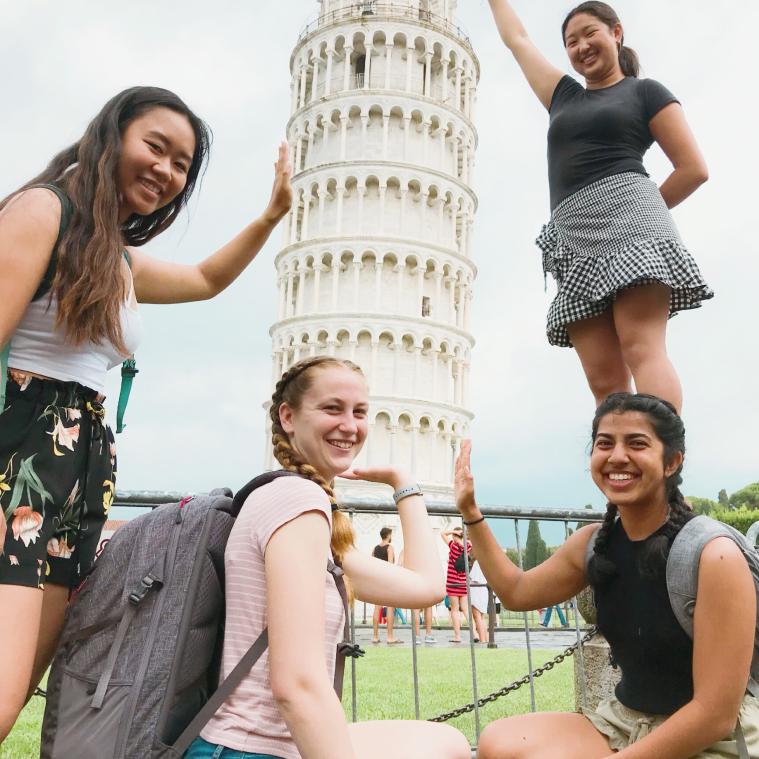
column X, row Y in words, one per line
column 623, row 727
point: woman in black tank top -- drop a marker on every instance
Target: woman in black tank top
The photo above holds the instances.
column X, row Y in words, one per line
column 677, row 697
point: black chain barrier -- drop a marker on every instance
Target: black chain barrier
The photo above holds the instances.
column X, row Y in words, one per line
column 517, row 684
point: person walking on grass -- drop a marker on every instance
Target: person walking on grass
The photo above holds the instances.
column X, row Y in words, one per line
column 611, row 244
column 384, row 551
column 275, row 561
column 73, row 278
column 678, row 697
column 455, row 581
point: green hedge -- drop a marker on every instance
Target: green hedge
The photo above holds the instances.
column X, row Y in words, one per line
column 741, row 519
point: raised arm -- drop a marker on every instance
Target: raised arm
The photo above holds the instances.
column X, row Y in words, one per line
column 724, row 625
column 541, row 75
column 670, row 129
column 420, row 582
column 556, row 579
column 28, row 230
column 158, row 281
column 295, row 606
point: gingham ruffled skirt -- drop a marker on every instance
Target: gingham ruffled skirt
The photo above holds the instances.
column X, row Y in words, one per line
column 614, row 234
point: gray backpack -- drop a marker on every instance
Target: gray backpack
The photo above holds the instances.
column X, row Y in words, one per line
column 136, row 672
column 682, row 582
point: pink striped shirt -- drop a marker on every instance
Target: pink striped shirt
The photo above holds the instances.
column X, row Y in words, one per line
column 249, row 720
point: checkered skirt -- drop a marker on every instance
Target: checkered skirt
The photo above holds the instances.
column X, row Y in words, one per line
column 614, row 234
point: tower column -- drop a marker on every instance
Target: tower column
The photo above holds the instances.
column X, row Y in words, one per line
column 343, row 135
column 356, row 283
column 410, row 53
column 388, row 63
column 328, row 75
column 303, row 75
column 347, row 67
column 315, row 79
column 317, row 284
column 336, row 266
column 289, row 297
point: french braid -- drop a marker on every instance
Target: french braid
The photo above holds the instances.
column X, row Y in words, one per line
column 290, row 389
column 670, row 430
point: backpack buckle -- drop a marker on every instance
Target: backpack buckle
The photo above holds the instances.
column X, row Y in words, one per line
column 346, row 648
column 147, row 583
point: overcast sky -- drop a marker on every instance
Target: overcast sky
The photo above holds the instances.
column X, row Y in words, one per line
column 195, row 419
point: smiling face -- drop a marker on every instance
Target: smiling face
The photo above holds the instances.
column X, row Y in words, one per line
column 628, row 461
column 330, row 424
column 156, row 155
column 593, row 47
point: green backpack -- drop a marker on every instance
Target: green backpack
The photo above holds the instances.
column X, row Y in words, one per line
column 128, row 368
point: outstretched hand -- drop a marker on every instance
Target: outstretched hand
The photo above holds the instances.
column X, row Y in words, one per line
column 463, row 481
column 386, row 475
column 281, row 192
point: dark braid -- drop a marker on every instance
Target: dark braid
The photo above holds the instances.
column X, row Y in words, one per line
column 290, row 389
column 670, row 430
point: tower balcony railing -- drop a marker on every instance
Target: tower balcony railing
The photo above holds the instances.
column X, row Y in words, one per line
column 371, row 9
column 505, row 629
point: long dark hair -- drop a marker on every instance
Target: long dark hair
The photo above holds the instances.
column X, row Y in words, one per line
column 628, row 58
column 89, row 303
column 670, row 430
column 290, row 389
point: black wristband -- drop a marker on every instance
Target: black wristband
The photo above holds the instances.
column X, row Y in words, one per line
column 474, row 521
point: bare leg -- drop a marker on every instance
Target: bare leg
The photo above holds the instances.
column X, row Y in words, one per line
column 597, row 345
column 408, row 739
column 390, row 621
column 428, row 621
column 479, row 624
column 55, row 599
column 547, row 735
column 375, row 624
column 19, row 630
column 640, row 320
column 455, row 618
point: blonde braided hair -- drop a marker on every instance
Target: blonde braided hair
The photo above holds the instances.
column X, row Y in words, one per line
column 292, row 385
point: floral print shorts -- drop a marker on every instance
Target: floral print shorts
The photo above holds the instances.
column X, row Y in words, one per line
column 57, row 482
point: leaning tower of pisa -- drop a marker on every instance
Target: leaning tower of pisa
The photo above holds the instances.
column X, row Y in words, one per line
column 375, row 264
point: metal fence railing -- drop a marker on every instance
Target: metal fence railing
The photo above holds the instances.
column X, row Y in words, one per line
column 563, row 520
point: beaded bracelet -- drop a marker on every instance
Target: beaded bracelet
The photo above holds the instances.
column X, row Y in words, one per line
column 474, row 521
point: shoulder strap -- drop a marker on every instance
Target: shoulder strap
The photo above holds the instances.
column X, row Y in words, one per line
column 682, row 575
column 590, row 548
column 263, row 479
column 67, row 211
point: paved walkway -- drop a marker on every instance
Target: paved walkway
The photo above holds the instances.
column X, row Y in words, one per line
column 540, row 638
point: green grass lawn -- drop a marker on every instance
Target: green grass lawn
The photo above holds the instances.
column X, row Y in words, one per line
column 385, row 689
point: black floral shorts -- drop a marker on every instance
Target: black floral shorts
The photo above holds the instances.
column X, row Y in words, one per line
column 57, row 482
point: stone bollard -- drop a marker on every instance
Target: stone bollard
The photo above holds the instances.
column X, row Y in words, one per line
column 599, row 677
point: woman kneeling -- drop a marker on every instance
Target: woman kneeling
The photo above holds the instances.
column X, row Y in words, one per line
column 276, row 575
column 677, row 697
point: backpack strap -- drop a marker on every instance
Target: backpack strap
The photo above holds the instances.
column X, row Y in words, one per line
column 682, row 575
column 67, row 211
column 254, row 653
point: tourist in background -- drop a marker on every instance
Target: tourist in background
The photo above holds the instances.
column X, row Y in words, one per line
column 455, row 579
column 611, row 243
column 73, row 276
column 384, row 552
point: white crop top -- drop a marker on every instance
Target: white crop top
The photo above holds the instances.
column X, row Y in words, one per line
column 38, row 346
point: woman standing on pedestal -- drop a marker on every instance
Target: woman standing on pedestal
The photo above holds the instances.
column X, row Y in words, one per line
column 611, row 244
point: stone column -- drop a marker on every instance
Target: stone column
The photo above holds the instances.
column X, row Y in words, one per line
column 294, row 92
column 282, row 283
column 410, row 53
column 467, row 85
column 343, row 135
column 361, row 189
column 417, row 370
column 356, row 283
column 301, row 288
column 306, row 212
column 419, row 288
column 406, row 133
column 388, row 63
column 428, row 74
column 451, row 299
column 425, row 141
column 347, row 68
column 458, row 87
column 317, row 284
column 404, row 198
column 364, row 127
column 289, row 297
column 424, row 197
column 446, row 66
column 400, row 268
column 368, row 69
column 393, row 434
column 438, row 277
column 322, row 192
column 336, row 266
column 294, row 218
column 377, row 285
column 310, row 152
column 339, row 220
column 328, row 75
column 373, row 365
column 315, row 79
column 435, row 355
column 382, row 193
column 298, row 154
column 414, row 449
column 303, row 75
column 385, row 134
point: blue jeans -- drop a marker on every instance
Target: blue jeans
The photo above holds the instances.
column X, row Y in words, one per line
column 547, row 615
column 200, row 749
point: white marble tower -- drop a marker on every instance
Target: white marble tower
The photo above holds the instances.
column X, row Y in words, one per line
column 375, row 264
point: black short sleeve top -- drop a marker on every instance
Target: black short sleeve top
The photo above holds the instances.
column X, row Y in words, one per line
column 594, row 134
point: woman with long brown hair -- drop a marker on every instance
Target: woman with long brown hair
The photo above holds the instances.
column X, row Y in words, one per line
column 611, row 244
column 286, row 707
column 71, row 278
